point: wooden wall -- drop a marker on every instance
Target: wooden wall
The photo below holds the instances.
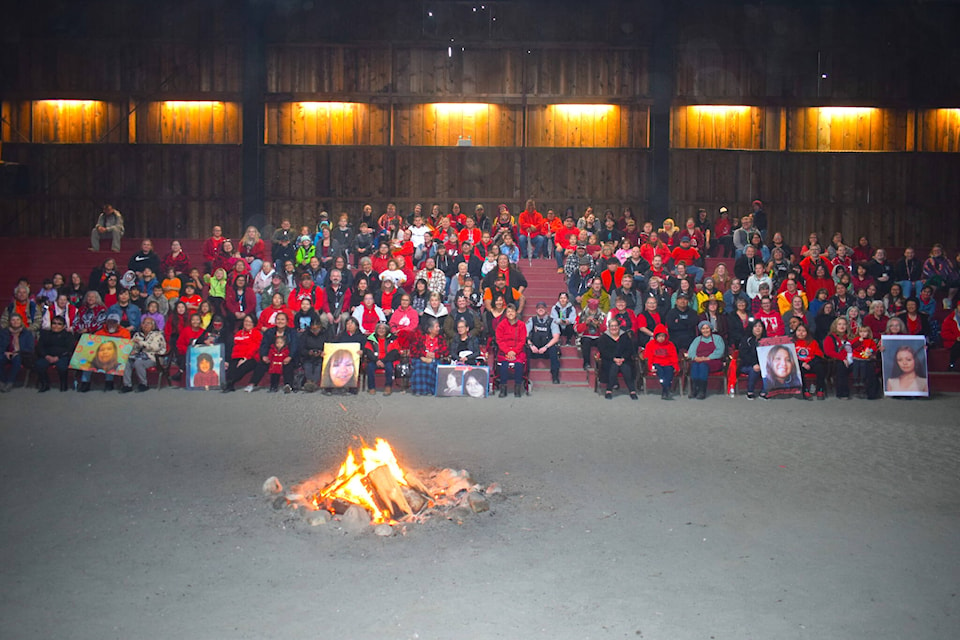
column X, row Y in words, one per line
column 162, row 190
column 193, row 122
column 63, row 121
column 728, row 127
column 304, row 180
column 893, row 198
column 326, row 123
column 442, row 125
column 849, row 129
column 939, row 130
column 575, row 125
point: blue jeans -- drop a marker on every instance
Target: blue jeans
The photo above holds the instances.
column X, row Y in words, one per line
column 505, row 372
column 699, row 370
column 665, row 375
column 754, row 380
column 536, row 241
column 560, row 256
column 910, row 287
column 10, row 369
column 372, row 373
column 696, row 272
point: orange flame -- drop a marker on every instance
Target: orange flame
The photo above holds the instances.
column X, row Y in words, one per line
column 348, row 486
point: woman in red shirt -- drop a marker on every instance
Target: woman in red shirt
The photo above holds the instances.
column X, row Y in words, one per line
column 838, row 348
column 246, row 350
column 426, row 350
column 511, row 351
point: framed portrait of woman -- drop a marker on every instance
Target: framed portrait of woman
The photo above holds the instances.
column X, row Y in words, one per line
column 780, row 370
column 904, row 366
column 457, row 380
column 205, row 367
column 341, row 365
column 101, row 354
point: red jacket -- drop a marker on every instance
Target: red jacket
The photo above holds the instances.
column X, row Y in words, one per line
column 611, row 280
column 246, row 344
column 950, row 331
column 258, row 250
column 530, row 219
column 511, row 337
column 300, row 294
column 268, row 317
column 834, row 347
column 662, row 354
column 211, row 248
column 807, row 350
column 232, row 303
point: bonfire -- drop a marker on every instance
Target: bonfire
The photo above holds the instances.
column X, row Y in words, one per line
column 371, row 479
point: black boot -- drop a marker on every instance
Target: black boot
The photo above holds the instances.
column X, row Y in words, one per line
column 108, row 386
column 517, row 389
column 43, row 382
column 84, row 387
column 503, row 390
column 63, row 380
column 694, row 388
column 665, row 393
column 556, row 378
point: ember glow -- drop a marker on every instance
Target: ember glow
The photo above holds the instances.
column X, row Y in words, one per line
column 369, row 477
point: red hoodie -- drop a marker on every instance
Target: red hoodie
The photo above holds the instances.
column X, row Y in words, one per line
column 663, row 354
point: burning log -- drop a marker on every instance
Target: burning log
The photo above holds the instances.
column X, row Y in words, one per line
column 386, row 492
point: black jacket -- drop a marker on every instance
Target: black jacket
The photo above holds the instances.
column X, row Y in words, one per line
column 619, row 348
column 55, row 344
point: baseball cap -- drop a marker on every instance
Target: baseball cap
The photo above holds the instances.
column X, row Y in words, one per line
column 541, row 304
column 113, row 317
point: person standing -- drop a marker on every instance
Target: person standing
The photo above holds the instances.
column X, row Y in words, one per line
column 109, row 225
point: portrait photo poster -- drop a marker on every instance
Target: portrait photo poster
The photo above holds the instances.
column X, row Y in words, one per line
column 458, row 380
column 780, row 370
column 205, row 367
column 904, row 361
column 341, row 365
column 101, row 354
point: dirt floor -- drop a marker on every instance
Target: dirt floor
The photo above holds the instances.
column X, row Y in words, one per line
column 654, row 520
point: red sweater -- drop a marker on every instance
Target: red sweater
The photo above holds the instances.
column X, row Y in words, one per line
column 246, row 344
column 663, row 354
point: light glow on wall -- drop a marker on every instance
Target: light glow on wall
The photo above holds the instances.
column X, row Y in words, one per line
column 326, row 106
column 719, row 109
column 68, row 104
column 582, row 109
column 845, row 112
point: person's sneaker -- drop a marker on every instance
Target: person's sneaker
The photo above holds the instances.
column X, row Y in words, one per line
column 142, row 387
column 821, row 395
column 763, row 396
column 750, row 395
column 287, row 388
column 560, row 270
column 372, row 392
column 387, row 391
column 807, row 396
column 126, row 389
column 586, row 367
column 556, row 379
column 249, row 388
column 503, row 391
column 273, row 390
column 228, row 389
column 309, row 387
column 633, row 395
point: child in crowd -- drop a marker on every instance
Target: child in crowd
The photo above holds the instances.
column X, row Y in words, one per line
column 217, row 285
column 279, row 357
column 191, row 298
column 661, row 357
column 565, row 316
column 171, row 285
column 863, row 371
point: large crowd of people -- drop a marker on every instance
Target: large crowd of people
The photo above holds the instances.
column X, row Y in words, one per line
column 430, row 287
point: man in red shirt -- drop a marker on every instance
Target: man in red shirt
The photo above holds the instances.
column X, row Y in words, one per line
column 531, row 231
column 689, row 256
column 211, row 246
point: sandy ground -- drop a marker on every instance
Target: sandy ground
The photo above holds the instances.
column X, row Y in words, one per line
column 657, row 521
